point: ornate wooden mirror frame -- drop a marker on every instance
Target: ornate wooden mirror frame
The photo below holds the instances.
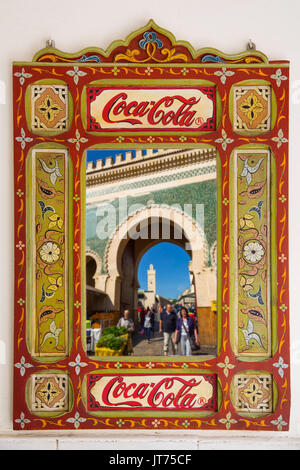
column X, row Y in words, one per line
column 246, row 386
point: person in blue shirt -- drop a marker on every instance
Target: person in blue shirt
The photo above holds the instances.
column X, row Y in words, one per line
column 167, row 325
column 185, row 331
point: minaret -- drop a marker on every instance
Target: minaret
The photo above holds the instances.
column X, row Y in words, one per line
column 151, row 279
column 192, row 286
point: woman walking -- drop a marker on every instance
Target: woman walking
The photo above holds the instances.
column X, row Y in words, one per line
column 185, row 332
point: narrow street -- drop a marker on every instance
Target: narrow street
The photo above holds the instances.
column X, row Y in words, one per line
column 141, row 346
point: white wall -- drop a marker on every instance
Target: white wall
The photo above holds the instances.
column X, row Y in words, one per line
column 75, row 24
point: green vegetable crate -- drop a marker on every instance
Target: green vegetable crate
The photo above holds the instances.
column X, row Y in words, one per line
column 103, row 351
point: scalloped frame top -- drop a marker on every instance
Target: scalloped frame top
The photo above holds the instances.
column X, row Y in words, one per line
column 150, row 44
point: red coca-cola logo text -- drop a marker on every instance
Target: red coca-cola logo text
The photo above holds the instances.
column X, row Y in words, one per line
column 118, row 393
column 156, row 111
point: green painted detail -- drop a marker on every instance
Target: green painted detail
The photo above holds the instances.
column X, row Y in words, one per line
column 269, row 293
column 253, row 266
column 83, row 249
column 206, row 65
column 50, row 209
column 219, row 257
column 193, row 194
column 161, row 179
column 61, row 280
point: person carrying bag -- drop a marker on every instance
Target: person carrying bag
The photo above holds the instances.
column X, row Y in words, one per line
column 186, row 333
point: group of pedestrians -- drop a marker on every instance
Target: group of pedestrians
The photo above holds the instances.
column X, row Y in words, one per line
column 147, row 322
column 178, row 329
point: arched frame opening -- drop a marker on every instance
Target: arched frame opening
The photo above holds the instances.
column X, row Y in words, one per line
column 156, row 223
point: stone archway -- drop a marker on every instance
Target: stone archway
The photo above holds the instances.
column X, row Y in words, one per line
column 123, row 271
column 94, row 273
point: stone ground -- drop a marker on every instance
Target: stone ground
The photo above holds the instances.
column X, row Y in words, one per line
column 141, row 346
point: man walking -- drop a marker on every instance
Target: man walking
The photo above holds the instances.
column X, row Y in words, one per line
column 167, row 325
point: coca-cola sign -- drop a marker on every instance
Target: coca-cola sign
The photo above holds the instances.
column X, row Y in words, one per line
column 155, row 392
column 153, row 109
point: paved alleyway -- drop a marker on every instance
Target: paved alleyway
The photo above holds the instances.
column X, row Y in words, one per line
column 143, row 348
column 155, row 347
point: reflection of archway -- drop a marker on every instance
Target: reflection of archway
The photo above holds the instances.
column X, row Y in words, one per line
column 91, row 267
column 97, row 299
column 136, row 235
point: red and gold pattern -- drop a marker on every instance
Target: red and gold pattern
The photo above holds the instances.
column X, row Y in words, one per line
column 77, row 365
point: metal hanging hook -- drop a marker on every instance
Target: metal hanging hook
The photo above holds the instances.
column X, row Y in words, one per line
column 251, row 46
column 50, row 43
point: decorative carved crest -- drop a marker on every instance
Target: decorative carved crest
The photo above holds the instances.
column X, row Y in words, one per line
column 151, row 44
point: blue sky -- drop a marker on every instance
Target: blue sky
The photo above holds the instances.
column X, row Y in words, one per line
column 97, row 154
column 171, row 265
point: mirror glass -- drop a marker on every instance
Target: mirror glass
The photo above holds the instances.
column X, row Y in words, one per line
column 151, row 252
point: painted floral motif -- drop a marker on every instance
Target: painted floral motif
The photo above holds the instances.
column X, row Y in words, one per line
column 22, row 75
column 228, row 421
column 253, row 251
column 253, row 393
column 50, row 392
column 76, row 420
column 281, row 366
column 22, row 420
column 224, row 74
column 156, row 423
column 224, row 140
column 50, row 251
column 279, row 77
column 23, row 139
column 252, row 242
column 49, row 107
column 77, row 140
column 55, row 222
column 252, row 108
column 76, row 73
column 279, row 422
column 150, row 38
column 20, row 245
column 23, row 365
column 150, row 43
column 77, row 364
column 226, row 366
column 48, row 312
column 280, row 139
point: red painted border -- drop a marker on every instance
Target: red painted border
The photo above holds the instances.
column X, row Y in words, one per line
column 25, row 365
